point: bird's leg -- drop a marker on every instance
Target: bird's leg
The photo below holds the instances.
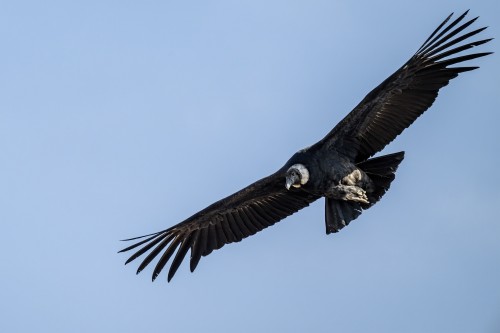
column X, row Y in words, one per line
column 348, row 189
column 349, row 193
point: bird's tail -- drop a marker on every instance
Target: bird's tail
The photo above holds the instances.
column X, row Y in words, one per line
column 381, row 170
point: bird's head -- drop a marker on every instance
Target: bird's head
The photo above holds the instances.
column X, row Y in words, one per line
column 296, row 176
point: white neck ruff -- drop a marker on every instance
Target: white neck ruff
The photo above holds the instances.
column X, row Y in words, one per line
column 304, row 173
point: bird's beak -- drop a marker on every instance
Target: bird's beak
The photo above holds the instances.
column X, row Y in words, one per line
column 290, row 180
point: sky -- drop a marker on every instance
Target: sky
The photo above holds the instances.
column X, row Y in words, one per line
column 122, row 118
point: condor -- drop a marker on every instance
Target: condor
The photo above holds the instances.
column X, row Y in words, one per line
column 339, row 167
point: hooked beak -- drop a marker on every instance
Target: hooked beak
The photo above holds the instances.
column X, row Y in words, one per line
column 291, row 180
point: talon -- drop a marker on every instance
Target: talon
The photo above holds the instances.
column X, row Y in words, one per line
column 359, row 196
column 349, row 193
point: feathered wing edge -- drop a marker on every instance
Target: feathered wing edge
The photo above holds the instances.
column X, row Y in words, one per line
column 229, row 220
column 398, row 101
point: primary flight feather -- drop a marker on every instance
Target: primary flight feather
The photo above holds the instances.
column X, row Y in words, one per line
column 339, row 167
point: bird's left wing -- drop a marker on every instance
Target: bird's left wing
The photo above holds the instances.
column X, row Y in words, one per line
column 229, row 220
column 398, row 101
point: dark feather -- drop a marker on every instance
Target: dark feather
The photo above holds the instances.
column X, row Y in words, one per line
column 198, row 247
column 154, row 253
column 166, row 256
column 179, row 256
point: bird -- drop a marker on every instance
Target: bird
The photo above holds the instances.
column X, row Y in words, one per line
column 341, row 167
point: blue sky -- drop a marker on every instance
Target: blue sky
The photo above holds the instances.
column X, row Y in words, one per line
column 119, row 119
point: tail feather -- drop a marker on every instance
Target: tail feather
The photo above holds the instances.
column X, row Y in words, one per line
column 339, row 213
column 381, row 170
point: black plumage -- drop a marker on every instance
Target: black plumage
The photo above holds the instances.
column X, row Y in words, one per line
column 339, row 167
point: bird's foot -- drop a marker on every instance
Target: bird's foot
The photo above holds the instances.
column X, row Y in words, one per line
column 349, row 193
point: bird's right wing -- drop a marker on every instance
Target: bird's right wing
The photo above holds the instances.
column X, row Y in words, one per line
column 229, row 220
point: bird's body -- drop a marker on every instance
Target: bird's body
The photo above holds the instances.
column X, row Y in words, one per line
column 339, row 167
column 326, row 168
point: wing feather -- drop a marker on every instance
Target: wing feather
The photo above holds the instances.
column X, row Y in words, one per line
column 146, row 248
column 212, row 239
column 152, row 254
column 166, row 255
column 198, row 247
column 235, row 228
column 230, row 235
column 181, row 253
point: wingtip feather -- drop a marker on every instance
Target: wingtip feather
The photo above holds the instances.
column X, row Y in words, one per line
column 139, row 237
